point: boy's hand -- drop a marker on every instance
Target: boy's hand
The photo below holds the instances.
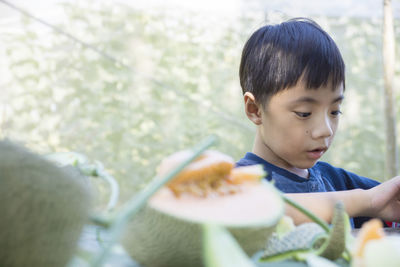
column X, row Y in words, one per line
column 385, row 200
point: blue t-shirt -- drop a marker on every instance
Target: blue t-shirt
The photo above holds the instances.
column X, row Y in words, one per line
column 323, row 177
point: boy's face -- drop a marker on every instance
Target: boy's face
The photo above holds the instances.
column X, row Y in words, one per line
column 298, row 125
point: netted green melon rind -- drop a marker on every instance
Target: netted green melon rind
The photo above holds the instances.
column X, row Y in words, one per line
column 156, row 239
column 301, row 239
column 43, row 209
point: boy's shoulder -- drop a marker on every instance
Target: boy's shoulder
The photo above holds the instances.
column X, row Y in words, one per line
column 249, row 159
column 325, row 166
column 333, row 174
column 342, row 178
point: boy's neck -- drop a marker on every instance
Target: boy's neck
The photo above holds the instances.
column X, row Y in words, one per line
column 264, row 152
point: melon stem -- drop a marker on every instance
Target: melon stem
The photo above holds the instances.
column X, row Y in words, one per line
column 114, row 187
column 307, row 212
column 100, row 220
column 123, row 216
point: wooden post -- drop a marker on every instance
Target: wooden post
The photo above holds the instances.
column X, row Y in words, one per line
column 391, row 159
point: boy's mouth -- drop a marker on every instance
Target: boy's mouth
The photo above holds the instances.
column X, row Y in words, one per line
column 316, row 153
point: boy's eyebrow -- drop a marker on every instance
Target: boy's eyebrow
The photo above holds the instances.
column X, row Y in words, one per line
column 338, row 99
column 307, row 99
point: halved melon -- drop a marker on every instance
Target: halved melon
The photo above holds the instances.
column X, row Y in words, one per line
column 370, row 230
column 168, row 231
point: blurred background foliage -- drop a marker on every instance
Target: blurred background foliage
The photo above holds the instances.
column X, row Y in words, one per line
column 164, row 80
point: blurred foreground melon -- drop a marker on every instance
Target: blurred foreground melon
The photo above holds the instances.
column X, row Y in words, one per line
column 168, row 231
column 43, row 209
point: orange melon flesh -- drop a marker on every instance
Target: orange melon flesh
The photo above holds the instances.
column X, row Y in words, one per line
column 252, row 205
column 253, row 173
column 209, row 163
column 207, row 173
column 369, row 231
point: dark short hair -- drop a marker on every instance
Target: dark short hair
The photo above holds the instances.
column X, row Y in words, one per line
column 276, row 56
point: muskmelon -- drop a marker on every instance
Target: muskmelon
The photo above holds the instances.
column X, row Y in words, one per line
column 43, row 209
column 382, row 252
column 370, row 230
column 373, row 247
column 168, row 230
column 310, row 238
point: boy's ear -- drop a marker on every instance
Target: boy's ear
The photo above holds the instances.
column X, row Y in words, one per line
column 252, row 109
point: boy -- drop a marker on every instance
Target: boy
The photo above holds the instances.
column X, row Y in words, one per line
column 293, row 79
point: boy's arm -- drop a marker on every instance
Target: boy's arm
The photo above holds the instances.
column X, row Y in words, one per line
column 321, row 204
column 381, row 201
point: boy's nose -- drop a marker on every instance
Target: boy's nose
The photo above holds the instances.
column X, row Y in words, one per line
column 324, row 128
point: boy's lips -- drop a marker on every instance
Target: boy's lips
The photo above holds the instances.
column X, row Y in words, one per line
column 316, row 153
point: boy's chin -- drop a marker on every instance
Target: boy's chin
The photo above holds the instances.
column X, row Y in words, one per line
column 306, row 165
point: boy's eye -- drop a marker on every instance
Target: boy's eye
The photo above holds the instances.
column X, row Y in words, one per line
column 336, row 113
column 303, row 114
